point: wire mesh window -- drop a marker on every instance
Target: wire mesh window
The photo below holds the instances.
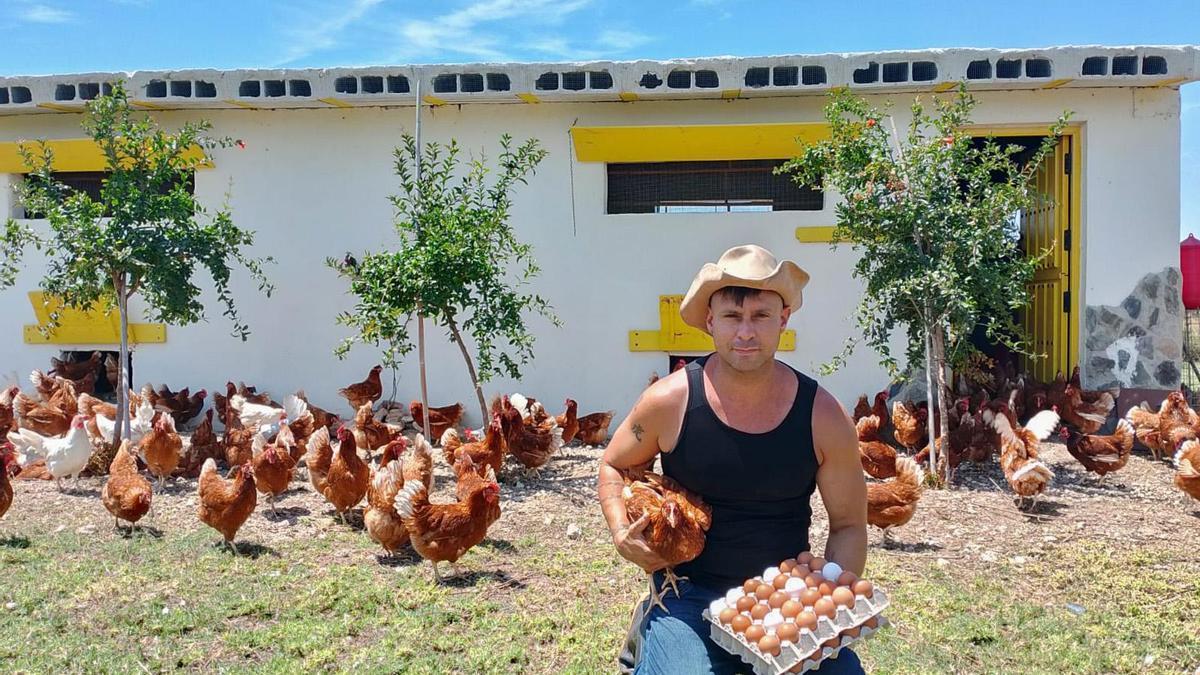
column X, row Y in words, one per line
column 91, row 183
column 706, row 187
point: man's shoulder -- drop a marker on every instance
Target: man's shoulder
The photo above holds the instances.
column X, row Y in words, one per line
column 666, row 391
column 826, row 407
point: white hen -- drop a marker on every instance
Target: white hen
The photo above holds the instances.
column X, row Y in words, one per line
column 139, row 425
column 65, row 456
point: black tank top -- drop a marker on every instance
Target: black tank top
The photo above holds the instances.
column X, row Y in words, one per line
column 758, row 485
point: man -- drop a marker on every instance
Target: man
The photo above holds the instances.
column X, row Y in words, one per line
column 753, row 438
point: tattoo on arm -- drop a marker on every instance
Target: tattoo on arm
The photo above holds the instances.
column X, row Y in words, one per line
column 637, row 431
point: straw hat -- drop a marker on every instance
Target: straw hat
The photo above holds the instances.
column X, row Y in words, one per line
column 750, row 266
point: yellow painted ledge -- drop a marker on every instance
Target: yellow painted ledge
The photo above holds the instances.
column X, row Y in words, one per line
column 95, row 327
column 70, row 154
column 701, row 142
column 673, row 335
column 822, row 234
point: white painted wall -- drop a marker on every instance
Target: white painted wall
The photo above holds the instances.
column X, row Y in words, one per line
column 313, row 183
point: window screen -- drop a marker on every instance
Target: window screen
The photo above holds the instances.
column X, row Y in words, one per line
column 706, row 187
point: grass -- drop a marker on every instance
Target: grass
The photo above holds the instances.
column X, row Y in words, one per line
column 94, row 603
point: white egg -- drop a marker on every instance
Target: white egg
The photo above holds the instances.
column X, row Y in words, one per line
column 772, row 619
column 715, row 607
column 794, row 587
column 732, row 596
column 770, row 573
column 831, row 570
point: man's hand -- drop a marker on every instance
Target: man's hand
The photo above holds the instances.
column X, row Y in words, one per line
column 632, row 546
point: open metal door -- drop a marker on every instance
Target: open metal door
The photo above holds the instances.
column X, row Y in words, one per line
column 1047, row 224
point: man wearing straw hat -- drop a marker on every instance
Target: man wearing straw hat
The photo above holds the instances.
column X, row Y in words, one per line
column 754, row 438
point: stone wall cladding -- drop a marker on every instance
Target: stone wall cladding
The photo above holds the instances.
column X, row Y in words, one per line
column 1137, row 343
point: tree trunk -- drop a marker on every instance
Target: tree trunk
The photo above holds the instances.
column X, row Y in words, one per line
column 929, row 364
column 939, row 357
column 122, row 431
column 483, row 411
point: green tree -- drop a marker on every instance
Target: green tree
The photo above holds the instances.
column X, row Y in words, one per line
column 145, row 234
column 458, row 262
column 931, row 214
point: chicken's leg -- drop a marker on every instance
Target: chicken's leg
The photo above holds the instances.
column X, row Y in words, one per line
column 437, row 578
column 271, row 503
column 58, row 482
column 656, row 595
column 670, row 579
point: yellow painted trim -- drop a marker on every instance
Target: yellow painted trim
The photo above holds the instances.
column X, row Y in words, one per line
column 819, row 234
column 241, row 104
column 59, row 107
column 1055, row 84
column 70, row 154
column 1171, row 82
column 945, row 86
column 628, row 96
column 1018, row 129
column 150, row 106
column 673, row 335
column 335, row 102
column 678, row 143
column 97, row 326
column 731, row 93
column 434, row 100
column 529, row 98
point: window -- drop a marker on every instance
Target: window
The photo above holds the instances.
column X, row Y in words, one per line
column 90, row 183
column 706, row 187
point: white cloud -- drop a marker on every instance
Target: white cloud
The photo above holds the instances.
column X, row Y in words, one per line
column 45, row 14
column 483, row 30
column 322, row 26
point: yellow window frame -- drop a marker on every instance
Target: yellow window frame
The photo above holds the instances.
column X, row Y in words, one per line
column 72, row 154
column 97, row 326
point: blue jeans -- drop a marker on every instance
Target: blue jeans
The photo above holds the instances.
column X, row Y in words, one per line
column 679, row 642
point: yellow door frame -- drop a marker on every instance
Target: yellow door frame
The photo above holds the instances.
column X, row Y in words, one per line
column 1073, row 171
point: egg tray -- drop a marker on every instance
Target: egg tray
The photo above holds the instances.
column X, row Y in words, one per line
column 809, row 649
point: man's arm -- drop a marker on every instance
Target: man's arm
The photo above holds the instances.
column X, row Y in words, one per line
column 635, row 443
column 840, row 480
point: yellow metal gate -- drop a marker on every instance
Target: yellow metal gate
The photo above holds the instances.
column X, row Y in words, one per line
column 1047, row 224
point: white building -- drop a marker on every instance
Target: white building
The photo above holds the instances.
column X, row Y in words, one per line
column 313, row 179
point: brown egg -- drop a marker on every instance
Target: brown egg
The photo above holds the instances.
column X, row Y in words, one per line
column 780, row 581
column 864, row 588
column 799, row 571
column 788, row 632
column 809, row 596
column 787, row 565
column 759, row 611
column 807, row 620
column 826, row 587
column 755, row 633
column 872, row 622
column 813, row 580
column 769, row 644
column 777, row 599
column 750, row 586
column 852, row 632
column 791, row 609
column 817, row 563
column 746, row 603
column 825, row 607
column 842, row 597
column 740, row 623
column 727, row 615
column 805, row 558
column 764, row 591
column 832, row 642
column 847, row 578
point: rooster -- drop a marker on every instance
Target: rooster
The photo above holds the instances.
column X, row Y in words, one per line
column 226, row 503
column 490, row 451
column 893, row 503
column 66, row 456
column 126, row 494
column 1026, row 474
column 161, row 449
column 677, row 521
column 444, row 532
column 367, row 391
column 1187, row 468
column 1100, row 454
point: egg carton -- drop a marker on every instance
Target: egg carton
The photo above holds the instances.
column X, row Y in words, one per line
column 809, row 649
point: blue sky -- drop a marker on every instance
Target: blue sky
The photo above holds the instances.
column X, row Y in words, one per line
column 58, row 36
